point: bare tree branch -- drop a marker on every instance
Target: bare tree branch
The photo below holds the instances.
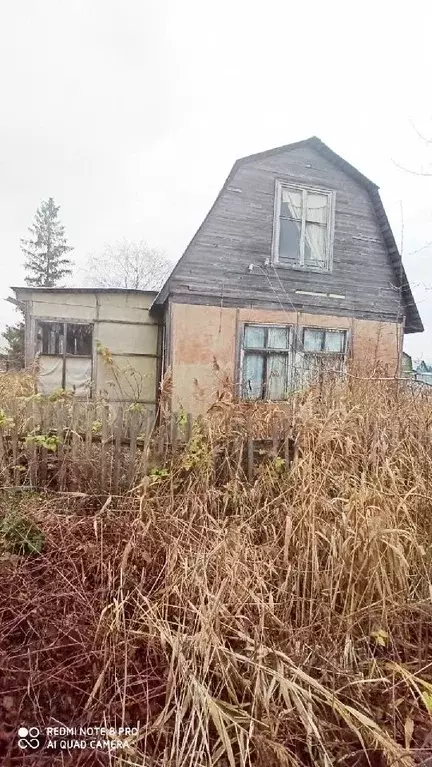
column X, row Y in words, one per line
column 128, row 265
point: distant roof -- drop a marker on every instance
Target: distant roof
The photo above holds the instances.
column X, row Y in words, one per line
column 29, row 289
column 413, row 323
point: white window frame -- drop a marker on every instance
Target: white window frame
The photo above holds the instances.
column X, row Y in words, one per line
column 280, row 185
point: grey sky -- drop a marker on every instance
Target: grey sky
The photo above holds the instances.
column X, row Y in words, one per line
column 130, row 114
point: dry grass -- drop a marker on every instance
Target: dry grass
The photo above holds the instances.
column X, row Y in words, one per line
column 16, row 384
column 284, row 622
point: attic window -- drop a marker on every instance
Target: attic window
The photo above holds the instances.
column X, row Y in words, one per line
column 303, row 227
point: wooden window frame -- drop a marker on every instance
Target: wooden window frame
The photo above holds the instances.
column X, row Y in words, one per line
column 265, row 353
column 64, row 355
column 323, row 353
column 303, row 189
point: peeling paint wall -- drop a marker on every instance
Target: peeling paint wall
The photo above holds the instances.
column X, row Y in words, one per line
column 121, row 323
column 204, row 346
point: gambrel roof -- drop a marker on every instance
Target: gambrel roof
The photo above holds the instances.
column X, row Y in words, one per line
column 413, row 323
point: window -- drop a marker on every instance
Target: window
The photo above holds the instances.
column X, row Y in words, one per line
column 266, row 362
column 323, row 351
column 50, row 338
column 65, row 356
column 303, row 227
column 79, row 340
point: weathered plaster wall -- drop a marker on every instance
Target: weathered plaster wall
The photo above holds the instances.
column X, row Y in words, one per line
column 204, row 346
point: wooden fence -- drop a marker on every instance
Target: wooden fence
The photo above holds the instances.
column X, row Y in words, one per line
column 76, row 446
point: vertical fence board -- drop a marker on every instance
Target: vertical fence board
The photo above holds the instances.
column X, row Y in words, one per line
column 133, row 434
column 174, row 432
column 45, row 427
column 250, row 458
column 31, row 447
column 189, row 426
column 104, row 445
column 287, row 456
column 89, row 430
column 118, row 431
column 4, row 462
column 14, row 443
column 60, row 423
column 148, row 434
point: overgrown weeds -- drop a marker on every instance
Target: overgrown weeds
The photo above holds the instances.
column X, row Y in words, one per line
column 283, row 622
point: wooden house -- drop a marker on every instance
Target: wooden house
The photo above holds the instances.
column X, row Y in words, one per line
column 294, row 272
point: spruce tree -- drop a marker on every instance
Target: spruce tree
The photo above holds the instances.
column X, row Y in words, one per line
column 46, row 264
column 46, row 251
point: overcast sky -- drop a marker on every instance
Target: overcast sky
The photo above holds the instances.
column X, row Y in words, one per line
column 130, row 114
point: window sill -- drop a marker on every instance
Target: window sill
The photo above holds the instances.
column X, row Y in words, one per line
column 299, row 268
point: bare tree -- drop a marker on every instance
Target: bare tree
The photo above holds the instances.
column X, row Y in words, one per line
column 128, row 265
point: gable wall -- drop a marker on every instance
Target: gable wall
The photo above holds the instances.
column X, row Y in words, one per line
column 239, row 231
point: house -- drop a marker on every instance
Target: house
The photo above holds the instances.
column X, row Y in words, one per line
column 423, row 373
column 293, row 272
column 406, row 364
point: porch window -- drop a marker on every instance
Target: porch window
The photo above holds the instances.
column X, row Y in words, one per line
column 303, row 233
column 64, row 352
column 266, row 354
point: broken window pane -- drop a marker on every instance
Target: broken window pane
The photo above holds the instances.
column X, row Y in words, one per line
column 316, row 210
column 49, row 337
column 253, row 376
column 277, row 338
column 335, row 341
column 289, row 240
column 291, row 204
column 79, row 339
column 315, row 245
column 254, row 337
column 313, row 340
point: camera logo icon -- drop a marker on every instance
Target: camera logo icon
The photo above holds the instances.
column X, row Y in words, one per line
column 28, row 737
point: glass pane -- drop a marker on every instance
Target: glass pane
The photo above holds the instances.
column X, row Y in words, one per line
column 289, row 240
column 49, row 338
column 253, row 369
column 277, row 384
column 291, row 204
column 335, row 341
column 277, row 338
column 254, row 337
column 79, row 339
column 316, row 210
column 315, row 245
column 313, row 340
